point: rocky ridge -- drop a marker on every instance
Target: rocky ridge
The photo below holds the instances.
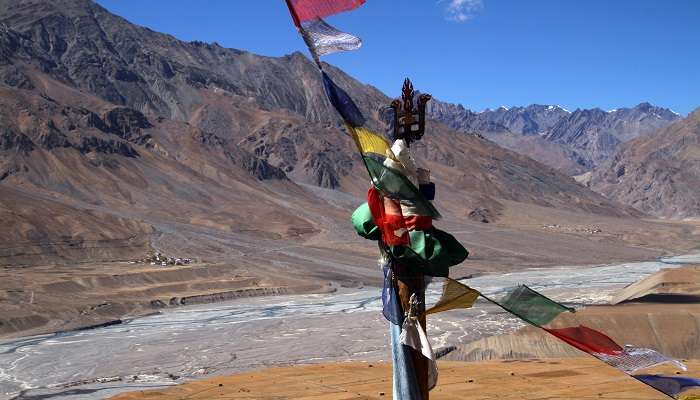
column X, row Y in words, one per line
column 573, row 142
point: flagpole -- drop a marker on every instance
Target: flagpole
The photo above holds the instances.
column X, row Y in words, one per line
column 304, row 34
column 407, row 285
column 410, row 282
column 293, row 12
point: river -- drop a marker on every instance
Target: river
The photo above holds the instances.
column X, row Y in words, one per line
column 198, row 341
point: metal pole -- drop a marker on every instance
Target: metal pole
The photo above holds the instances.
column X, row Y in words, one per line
column 407, row 284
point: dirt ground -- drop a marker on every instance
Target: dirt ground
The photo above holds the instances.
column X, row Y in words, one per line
column 567, row 378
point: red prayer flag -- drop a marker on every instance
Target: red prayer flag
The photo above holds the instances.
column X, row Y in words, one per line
column 390, row 222
column 587, row 339
column 306, row 10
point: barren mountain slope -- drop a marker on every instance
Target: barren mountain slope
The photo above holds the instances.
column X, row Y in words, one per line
column 659, row 174
column 105, row 115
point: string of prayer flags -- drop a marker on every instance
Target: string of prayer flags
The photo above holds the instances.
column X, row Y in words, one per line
column 397, row 205
column 403, row 215
column 538, row 310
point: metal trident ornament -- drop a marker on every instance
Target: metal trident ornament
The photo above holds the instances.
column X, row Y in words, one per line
column 409, row 121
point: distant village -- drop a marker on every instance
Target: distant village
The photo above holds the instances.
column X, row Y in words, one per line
column 159, row 259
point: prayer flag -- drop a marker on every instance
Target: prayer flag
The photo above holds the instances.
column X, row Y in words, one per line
column 390, row 305
column 454, row 295
column 390, row 223
column 306, row 10
column 431, row 252
column 633, row 359
column 369, row 142
column 532, row 306
column 674, row 386
column 413, row 335
column 391, row 183
column 342, row 102
column 586, row 339
column 322, row 38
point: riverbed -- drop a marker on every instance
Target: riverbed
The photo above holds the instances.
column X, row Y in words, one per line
column 193, row 342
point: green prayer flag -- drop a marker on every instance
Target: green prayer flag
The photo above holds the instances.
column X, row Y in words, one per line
column 364, row 224
column 431, row 252
column 394, row 184
column 531, row 306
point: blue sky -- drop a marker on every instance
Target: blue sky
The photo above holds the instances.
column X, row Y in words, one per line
column 480, row 53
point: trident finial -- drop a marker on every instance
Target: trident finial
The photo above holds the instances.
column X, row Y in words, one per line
column 409, row 122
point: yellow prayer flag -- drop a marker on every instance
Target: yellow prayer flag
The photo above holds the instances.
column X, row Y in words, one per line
column 454, row 295
column 370, row 142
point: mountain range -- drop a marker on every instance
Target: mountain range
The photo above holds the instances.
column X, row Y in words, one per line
column 573, row 142
column 115, row 139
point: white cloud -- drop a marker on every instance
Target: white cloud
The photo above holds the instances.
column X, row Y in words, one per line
column 462, row 10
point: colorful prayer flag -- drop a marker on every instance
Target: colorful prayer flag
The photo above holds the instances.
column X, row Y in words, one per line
column 532, row 306
column 369, row 142
column 454, row 295
column 307, row 10
column 322, row 38
column 342, row 102
column 390, row 305
column 393, row 184
column 413, row 335
column 391, row 225
column 633, row 359
column 586, row 339
column 673, row 386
